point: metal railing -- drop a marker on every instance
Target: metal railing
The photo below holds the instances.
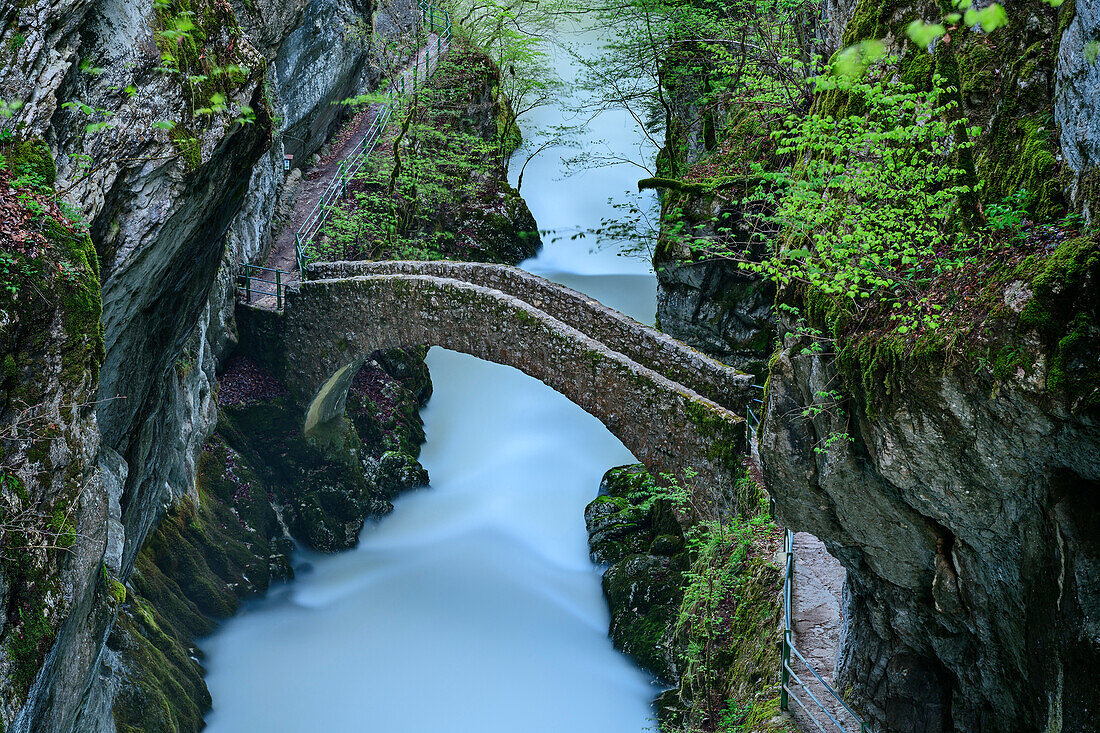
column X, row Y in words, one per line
column 752, row 420
column 813, row 707
column 435, row 21
column 252, row 274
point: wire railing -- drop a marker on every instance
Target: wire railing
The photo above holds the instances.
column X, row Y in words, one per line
column 792, row 684
column 752, row 419
column 437, row 22
column 255, row 280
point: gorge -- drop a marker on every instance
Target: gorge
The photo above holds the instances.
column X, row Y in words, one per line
column 202, row 509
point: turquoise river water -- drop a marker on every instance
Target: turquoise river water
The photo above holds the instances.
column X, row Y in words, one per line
column 474, row 606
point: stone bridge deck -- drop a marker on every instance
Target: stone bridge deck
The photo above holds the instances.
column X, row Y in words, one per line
column 647, row 346
column 631, row 377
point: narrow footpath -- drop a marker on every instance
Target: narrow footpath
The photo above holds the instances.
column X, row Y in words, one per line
column 816, row 627
column 316, row 180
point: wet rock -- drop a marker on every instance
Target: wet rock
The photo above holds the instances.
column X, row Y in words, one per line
column 643, row 582
column 399, row 472
column 643, row 592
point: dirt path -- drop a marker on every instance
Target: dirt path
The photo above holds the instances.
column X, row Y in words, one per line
column 316, row 180
column 815, row 621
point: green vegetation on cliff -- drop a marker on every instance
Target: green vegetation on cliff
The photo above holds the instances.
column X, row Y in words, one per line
column 436, row 186
column 52, row 346
column 906, row 208
column 696, row 602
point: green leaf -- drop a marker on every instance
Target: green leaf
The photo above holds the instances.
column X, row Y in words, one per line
column 993, row 17
column 923, row 34
column 1092, row 51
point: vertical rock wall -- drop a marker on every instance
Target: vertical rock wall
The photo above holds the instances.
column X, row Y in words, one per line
column 171, row 212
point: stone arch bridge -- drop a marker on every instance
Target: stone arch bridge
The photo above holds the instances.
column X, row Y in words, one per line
column 677, row 410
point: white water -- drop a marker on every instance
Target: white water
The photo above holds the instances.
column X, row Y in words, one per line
column 474, row 606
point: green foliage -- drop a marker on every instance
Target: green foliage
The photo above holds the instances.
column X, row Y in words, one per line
column 197, row 41
column 14, row 271
column 867, row 210
column 728, row 616
column 413, row 197
column 1010, row 213
column 187, row 145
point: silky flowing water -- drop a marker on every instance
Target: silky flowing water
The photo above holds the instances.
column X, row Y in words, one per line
column 474, row 606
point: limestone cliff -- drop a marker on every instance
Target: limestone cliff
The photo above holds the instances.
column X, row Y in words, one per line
column 963, row 504
column 168, row 122
column 954, row 476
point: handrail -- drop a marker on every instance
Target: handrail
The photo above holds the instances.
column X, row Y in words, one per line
column 752, row 420
column 787, row 692
column 246, row 278
column 357, row 158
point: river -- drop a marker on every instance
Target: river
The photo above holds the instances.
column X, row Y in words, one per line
column 474, row 605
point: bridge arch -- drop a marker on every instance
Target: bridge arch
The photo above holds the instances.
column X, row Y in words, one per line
column 330, row 327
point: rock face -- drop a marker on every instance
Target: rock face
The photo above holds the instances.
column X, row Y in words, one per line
column 714, row 307
column 961, row 499
column 1077, row 107
column 60, row 535
column 162, row 205
column 641, row 541
column 965, row 516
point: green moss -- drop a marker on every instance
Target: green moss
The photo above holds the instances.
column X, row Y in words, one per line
column 1062, row 311
column 80, row 300
column 187, row 145
column 32, row 158
column 1055, row 280
column 116, row 591
column 1021, row 154
column 1006, row 361
column 31, row 639
column 61, row 526
column 725, row 440
column 869, row 20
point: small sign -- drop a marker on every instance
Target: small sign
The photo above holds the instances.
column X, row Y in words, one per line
column 286, row 162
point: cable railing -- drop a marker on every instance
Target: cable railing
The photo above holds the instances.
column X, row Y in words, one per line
column 252, row 274
column 752, row 420
column 794, row 687
column 792, row 684
column 437, row 22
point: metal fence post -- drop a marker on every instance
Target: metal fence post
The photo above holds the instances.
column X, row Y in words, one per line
column 786, row 678
column 248, row 283
column 278, row 289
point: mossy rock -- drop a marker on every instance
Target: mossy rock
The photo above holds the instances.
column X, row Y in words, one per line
column 1064, row 312
column 32, row 157
column 644, row 594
